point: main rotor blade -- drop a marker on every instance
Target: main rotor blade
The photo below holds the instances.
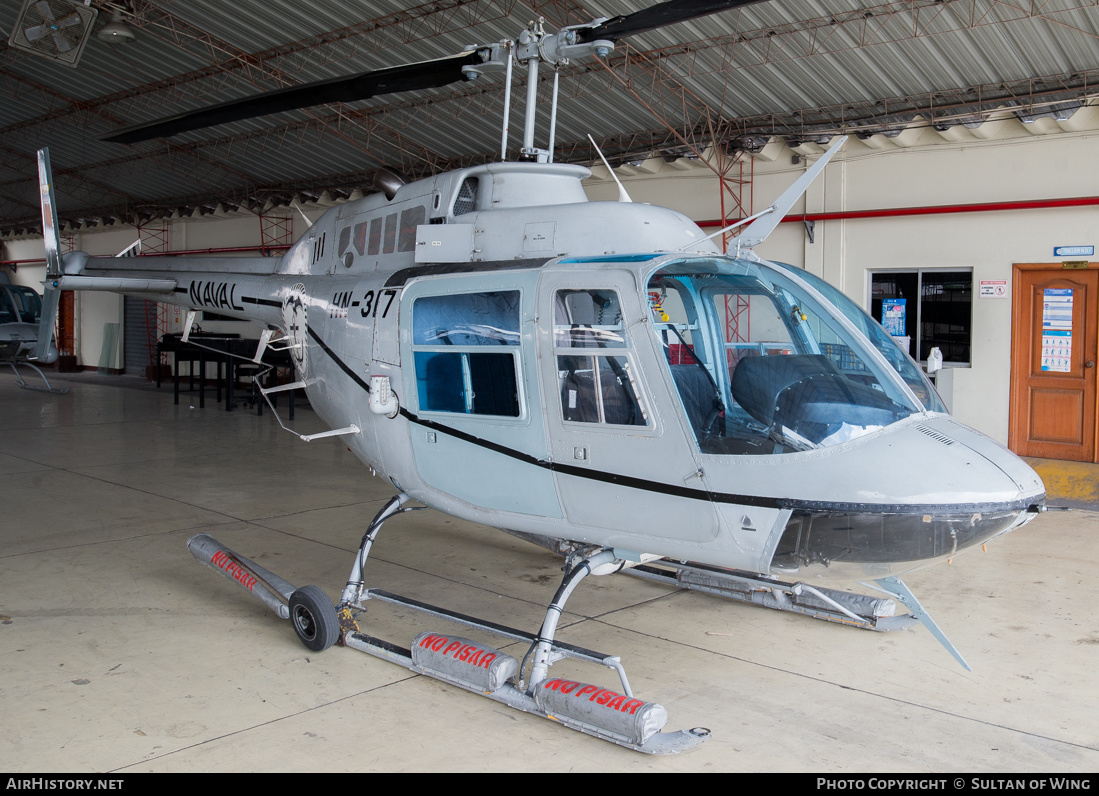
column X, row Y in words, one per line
column 658, row 16
column 407, row 77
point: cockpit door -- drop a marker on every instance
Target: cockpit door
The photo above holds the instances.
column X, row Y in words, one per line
column 620, row 457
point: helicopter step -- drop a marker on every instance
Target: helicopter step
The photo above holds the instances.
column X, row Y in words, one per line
column 841, row 607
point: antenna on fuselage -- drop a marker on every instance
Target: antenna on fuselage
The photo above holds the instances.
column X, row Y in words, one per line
column 622, row 195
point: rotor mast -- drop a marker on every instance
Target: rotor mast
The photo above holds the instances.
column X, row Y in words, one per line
column 532, row 48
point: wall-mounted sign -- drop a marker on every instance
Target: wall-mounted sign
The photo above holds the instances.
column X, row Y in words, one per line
column 1057, row 330
column 993, row 288
column 892, row 316
column 1073, row 251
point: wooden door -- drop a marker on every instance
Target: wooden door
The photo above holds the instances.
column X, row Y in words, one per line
column 1053, row 361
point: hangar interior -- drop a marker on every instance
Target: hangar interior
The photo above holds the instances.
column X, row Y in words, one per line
column 967, row 181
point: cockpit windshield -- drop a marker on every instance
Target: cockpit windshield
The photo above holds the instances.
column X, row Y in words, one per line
column 764, row 364
column 27, row 303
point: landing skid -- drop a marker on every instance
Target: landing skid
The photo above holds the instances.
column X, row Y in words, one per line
column 845, row 608
column 525, row 685
column 38, row 370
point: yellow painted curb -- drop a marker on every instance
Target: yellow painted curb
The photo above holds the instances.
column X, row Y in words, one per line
column 1074, row 481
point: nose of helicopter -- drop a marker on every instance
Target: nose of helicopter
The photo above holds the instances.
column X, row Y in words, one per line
column 960, row 489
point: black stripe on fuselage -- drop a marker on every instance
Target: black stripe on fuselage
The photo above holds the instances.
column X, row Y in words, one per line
column 399, row 278
column 261, row 301
column 343, row 365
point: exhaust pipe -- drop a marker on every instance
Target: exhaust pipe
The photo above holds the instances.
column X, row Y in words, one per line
column 272, row 590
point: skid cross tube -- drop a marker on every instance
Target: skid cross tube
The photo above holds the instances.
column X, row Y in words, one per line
column 543, row 645
column 353, row 591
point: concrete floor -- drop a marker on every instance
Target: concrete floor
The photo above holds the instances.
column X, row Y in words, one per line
column 120, row 653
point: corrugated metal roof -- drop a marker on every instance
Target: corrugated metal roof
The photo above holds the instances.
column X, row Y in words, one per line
column 801, row 68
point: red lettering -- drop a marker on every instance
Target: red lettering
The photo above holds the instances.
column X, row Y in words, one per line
column 617, row 702
column 632, row 706
column 488, row 658
column 604, row 697
column 451, row 647
column 588, row 689
column 569, row 687
column 440, row 642
column 553, row 684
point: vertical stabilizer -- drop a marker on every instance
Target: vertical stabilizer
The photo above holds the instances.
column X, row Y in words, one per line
column 52, row 240
column 758, row 230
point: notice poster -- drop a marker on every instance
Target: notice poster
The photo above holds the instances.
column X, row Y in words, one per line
column 1057, row 330
column 892, row 316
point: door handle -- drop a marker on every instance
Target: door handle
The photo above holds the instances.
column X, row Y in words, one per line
column 1089, row 364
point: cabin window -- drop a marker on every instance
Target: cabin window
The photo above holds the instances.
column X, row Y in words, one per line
column 410, row 219
column 7, row 311
column 390, row 233
column 594, row 371
column 27, row 302
column 467, row 197
column 374, row 244
column 360, row 237
column 466, row 351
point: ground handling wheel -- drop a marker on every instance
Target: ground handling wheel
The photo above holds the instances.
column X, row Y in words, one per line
column 314, row 618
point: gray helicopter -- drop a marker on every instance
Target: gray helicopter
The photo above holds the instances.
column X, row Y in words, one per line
column 507, row 352
column 20, row 318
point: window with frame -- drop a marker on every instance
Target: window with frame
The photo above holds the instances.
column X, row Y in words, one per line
column 594, row 372
column 933, row 308
column 466, row 348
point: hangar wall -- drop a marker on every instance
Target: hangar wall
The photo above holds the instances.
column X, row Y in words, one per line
column 998, row 162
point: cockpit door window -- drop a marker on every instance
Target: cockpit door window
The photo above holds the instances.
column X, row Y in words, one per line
column 594, row 371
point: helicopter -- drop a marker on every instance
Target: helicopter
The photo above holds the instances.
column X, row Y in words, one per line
column 503, row 350
column 20, row 318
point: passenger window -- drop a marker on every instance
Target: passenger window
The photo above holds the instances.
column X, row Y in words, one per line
column 595, row 387
column 466, row 350
column 374, row 245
